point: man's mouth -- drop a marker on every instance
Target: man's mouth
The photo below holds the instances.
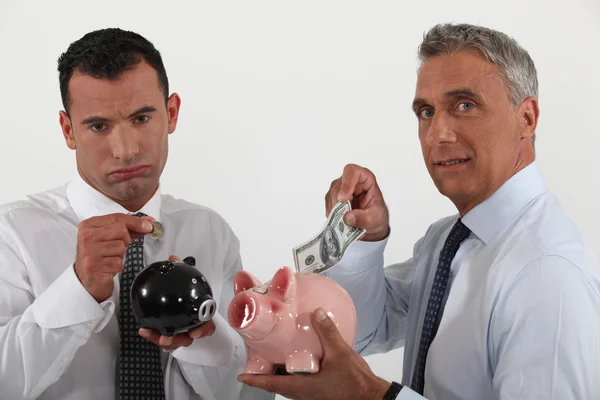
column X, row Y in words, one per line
column 452, row 161
column 130, row 172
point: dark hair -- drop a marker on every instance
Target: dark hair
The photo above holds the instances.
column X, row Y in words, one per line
column 106, row 54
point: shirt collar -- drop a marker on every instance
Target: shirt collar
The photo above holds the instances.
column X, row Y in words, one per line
column 87, row 202
column 487, row 219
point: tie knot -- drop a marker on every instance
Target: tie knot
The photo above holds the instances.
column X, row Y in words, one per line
column 459, row 232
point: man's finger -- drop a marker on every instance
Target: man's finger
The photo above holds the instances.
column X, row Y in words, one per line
column 110, row 266
column 112, row 232
column 139, row 228
column 174, row 258
column 166, row 342
column 348, row 182
column 180, row 340
column 356, row 180
column 206, row 329
column 366, row 219
column 134, row 224
column 331, row 198
column 331, row 339
column 112, row 248
column 150, row 335
column 289, row 385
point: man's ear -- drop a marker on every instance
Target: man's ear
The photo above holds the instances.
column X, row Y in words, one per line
column 528, row 114
column 173, row 106
column 67, row 129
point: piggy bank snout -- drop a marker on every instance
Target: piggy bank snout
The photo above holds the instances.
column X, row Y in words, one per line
column 251, row 315
column 207, row 309
column 241, row 311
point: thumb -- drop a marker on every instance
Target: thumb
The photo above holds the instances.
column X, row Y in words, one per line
column 331, row 339
column 366, row 219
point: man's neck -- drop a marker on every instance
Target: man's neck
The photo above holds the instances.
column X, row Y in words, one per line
column 464, row 208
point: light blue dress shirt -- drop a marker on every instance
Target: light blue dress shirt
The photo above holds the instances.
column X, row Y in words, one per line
column 522, row 309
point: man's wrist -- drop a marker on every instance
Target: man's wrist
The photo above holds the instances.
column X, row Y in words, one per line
column 380, row 388
column 392, row 391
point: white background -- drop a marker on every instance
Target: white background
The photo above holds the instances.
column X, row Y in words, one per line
column 277, row 96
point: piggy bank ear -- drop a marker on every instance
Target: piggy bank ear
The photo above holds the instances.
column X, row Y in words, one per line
column 244, row 280
column 283, row 284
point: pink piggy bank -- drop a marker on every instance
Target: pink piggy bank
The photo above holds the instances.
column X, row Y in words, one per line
column 274, row 319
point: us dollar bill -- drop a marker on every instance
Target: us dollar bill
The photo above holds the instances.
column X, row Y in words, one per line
column 327, row 248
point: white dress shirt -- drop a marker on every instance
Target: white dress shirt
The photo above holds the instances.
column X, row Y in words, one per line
column 522, row 307
column 57, row 342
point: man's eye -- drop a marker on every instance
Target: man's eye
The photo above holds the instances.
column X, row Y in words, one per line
column 426, row 113
column 142, row 119
column 466, row 106
column 98, row 127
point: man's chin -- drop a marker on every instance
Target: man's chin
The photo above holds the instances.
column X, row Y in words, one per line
column 454, row 189
column 133, row 189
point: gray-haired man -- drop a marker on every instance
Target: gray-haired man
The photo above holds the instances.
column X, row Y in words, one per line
column 499, row 301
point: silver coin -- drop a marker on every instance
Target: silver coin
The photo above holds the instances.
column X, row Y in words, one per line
column 159, row 230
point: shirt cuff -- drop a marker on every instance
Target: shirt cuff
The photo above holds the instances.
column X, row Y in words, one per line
column 360, row 257
column 408, row 394
column 214, row 350
column 66, row 303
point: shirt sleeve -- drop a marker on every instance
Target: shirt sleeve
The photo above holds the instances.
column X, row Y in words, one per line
column 380, row 295
column 40, row 336
column 408, row 394
column 201, row 366
column 545, row 334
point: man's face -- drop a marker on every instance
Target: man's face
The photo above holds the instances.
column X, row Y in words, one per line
column 119, row 130
column 473, row 139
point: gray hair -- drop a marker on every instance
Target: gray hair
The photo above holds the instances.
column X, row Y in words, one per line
column 517, row 67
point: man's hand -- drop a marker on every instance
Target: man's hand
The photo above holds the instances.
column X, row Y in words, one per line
column 369, row 211
column 101, row 246
column 179, row 340
column 343, row 373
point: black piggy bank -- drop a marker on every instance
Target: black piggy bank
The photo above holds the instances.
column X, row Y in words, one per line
column 172, row 297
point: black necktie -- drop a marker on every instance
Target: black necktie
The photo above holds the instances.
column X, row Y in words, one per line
column 457, row 235
column 140, row 368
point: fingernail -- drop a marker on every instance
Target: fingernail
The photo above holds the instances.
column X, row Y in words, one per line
column 144, row 332
column 168, row 341
column 147, row 225
column 196, row 335
column 350, row 219
column 321, row 314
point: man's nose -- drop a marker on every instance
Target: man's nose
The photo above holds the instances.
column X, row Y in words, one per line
column 124, row 144
column 441, row 130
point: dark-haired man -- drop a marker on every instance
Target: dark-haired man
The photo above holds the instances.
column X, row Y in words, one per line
column 68, row 255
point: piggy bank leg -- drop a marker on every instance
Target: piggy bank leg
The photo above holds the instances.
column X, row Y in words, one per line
column 258, row 366
column 301, row 362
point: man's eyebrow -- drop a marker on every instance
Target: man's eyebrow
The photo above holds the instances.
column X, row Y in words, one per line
column 418, row 103
column 463, row 92
column 100, row 120
column 94, row 120
column 143, row 110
